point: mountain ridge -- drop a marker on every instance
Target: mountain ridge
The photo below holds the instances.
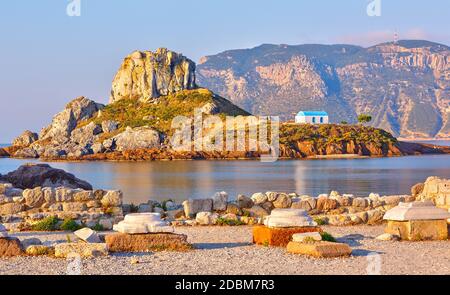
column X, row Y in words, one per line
column 404, row 84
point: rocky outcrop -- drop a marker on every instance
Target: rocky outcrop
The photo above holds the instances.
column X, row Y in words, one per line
column 65, row 122
column 395, row 82
column 148, row 75
column 25, row 139
column 42, row 175
column 137, row 138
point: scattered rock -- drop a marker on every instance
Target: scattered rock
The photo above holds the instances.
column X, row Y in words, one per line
column 85, row 250
column 206, row 218
column 244, row 202
column 220, row 201
column 259, row 198
column 88, row 235
column 307, row 237
column 282, row 201
column 256, row 211
column 193, row 206
column 37, row 250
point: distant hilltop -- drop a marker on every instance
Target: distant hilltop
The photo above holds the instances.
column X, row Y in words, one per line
column 404, row 85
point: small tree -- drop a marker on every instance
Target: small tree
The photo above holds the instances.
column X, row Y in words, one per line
column 364, row 118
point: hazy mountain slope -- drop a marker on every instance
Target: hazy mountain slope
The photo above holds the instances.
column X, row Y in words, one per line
column 405, row 86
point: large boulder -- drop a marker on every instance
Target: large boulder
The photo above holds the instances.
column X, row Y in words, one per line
column 66, row 121
column 86, row 134
column 147, row 75
column 35, row 175
column 25, row 139
column 137, row 138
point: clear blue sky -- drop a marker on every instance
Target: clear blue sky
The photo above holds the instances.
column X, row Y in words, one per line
column 48, row 58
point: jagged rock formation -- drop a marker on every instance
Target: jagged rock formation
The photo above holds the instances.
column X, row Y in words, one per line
column 25, row 139
column 404, row 86
column 148, row 75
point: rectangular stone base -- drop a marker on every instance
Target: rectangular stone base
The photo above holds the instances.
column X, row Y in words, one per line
column 119, row 242
column 418, row 230
column 279, row 237
column 320, row 249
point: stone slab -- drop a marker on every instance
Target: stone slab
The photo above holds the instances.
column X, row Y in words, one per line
column 278, row 237
column 283, row 218
column 143, row 223
column 320, row 249
column 119, row 242
column 418, row 230
column 88, row 235
column 416, row 211
column 84, row 250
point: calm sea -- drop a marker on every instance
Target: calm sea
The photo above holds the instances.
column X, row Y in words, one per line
column 180, row 180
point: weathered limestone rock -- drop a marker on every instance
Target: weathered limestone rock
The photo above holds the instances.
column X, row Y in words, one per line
column 282, row 201
column 437, row 190
column 326, row 204
column 27, row 152
column 256, row 211
column 25, row 139
column 34, row 197
column 85, row 135
column 206, row 218
column 119, row 242
column 137, row 138
column 320, row 249
column 112, row 199
column 109, row 126
column 148, row 75
column 244, row 202
column 289, row 218
column 220, row 201
column 35, row 175
column 10, row 247
column 259, row 198
column 233, row 209
column 88, row 235
column 305, row 237
column 66, row 121
column 278, row 237
column 37, row 250
column 417, row 221
column 142, row 223
column 11, row 208
column 307, row 204
column 360, row 203
column 193, row 206
column 85, row 250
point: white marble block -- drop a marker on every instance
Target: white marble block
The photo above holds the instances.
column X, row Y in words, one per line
column 289, row 218
column 143, row 223
column 423, row 210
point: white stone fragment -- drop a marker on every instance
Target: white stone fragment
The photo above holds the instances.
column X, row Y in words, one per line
column 143, row 223
column 289, row 218
column 88, row 235
column 424, row 210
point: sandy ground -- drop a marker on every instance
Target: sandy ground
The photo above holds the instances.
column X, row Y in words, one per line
column 228, row 250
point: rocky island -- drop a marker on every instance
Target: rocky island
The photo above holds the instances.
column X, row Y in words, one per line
column 149, row 90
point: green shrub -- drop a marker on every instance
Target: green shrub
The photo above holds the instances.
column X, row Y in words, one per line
column 47, row 224
column 327, row 237
column 320, row 221
column 230, row 222
column 70, row 225
column 98, row 227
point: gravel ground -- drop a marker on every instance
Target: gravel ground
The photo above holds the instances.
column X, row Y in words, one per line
column 228, row 250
